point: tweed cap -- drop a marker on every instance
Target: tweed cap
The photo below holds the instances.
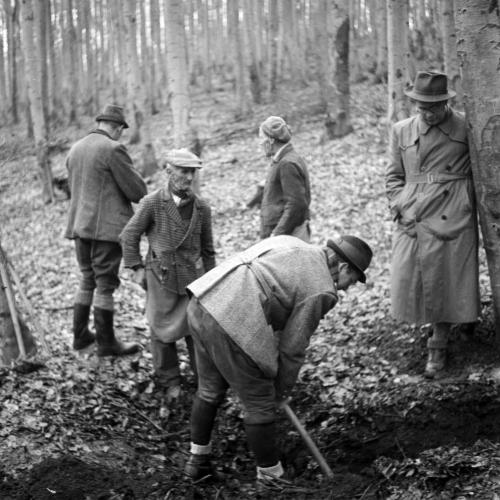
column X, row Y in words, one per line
column 112, row 113
column 354, row 251
column 276, row 128
column 183, row 158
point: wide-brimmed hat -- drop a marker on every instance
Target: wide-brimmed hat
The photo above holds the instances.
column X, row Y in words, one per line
column 354, row 251
column 430, row 86
column 276, row 128
column 112, row 113
column 183, row 158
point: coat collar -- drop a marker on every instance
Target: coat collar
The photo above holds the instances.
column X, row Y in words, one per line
column 282, row 152
column 173, row 213
column 449, row 126
column 100, row 131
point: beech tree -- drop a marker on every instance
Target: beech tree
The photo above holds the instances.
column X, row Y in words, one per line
column 478, row 47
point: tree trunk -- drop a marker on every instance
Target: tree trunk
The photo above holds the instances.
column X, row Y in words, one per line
column 239, row 66
column 12, row 15
column 72, row 68
column 273, row 47
column 450, row 49
column 10, row 319
column 253, row 65
column 478, row 34
column 178, row 78
column 381, row 29
column 33, row 57
column 398, row 59
column 3, row 83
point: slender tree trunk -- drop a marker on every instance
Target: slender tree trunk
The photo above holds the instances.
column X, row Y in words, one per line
column 34, row 89
column 72, row 53
column 273, row 47
column 12, row 15
column 3, row 82
column 180, row 100
column 398, row 59
column 450, row 49
column 478, row 34
column 381, row 29
column 253, row 68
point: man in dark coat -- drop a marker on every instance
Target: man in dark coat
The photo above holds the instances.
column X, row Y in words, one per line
column 287, row 193
column 434, row 275
column 178, row 226
column 251, row 318
column 103, row 184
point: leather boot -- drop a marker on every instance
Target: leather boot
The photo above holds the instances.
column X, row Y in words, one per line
column 198, row 466
column 82, row 336
column 107, row 344
column 436, row 360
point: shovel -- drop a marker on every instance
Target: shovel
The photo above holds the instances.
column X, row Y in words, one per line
column 308, row 440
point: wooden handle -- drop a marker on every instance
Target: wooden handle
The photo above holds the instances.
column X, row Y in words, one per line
column 309, row 442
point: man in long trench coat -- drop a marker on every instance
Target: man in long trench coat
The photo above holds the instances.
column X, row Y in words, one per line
column 435, row 244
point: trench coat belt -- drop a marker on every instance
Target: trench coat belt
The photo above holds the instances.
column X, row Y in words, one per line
column 438, row 178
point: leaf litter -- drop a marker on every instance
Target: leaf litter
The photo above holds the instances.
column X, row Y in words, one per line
column 73, row 426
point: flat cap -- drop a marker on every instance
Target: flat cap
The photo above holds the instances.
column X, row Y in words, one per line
column 183, row 158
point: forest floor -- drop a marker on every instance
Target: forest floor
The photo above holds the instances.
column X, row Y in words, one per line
column 76, row 427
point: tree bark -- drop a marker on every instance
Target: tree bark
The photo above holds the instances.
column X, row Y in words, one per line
column 398, row 59
column 273, row 47
column 34, row 89
column 450, row 49
column 478, row 47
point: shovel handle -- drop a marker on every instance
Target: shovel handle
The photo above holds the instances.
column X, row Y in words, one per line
column 308, row 440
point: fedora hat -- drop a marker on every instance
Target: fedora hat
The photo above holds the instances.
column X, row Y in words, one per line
column 183, row 158
column 354, row 251
column 430, row 86
column 112, row 113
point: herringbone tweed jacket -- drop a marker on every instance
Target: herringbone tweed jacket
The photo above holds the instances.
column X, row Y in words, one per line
column 269, row 299
column 176, row 256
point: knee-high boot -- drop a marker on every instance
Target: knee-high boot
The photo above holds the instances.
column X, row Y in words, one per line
column 107, row 344
column 82, row 336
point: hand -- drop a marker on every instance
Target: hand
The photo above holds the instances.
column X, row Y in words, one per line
column 139, row 277
column 281, row 401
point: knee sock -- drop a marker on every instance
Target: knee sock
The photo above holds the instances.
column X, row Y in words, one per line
column 262, row 442
column 202, row 421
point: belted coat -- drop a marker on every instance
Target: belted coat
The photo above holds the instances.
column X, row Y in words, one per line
column 269, row 299
column 434, row 276
column 103, row 184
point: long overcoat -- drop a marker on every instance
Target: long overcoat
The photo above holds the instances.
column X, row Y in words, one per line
column 103, row 184
column 435, row 244
column 269, row 299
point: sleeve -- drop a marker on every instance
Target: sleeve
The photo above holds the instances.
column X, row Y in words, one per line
column 395, row 173
column 294, row 338
column 207, row 243
column 130, row 237
column 126, row 176
column 294, row 192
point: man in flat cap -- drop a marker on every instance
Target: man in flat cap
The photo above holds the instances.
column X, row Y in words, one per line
column 251, row 318
column 287, row 193
column 178, row 226
column 435, row 245
column 103, row 184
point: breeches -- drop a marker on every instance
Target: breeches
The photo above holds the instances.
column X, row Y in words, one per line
column 99, row 263
column 222, row 364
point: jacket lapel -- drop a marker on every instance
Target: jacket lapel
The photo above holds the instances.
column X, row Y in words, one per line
column 192, row 223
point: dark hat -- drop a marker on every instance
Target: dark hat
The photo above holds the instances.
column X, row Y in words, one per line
column 430, row 86
column 183, row 158
column 112, row 113
column 276, row 128
column 354, row 251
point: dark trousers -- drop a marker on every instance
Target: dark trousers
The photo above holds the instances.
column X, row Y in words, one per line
column 99, row 263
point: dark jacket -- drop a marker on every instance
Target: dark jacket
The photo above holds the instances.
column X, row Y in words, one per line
column 103, row 184
column 177, row 256
column 287, row 194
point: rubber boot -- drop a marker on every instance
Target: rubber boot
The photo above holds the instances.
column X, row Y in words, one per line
column 82, row 336
column 107, row 344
